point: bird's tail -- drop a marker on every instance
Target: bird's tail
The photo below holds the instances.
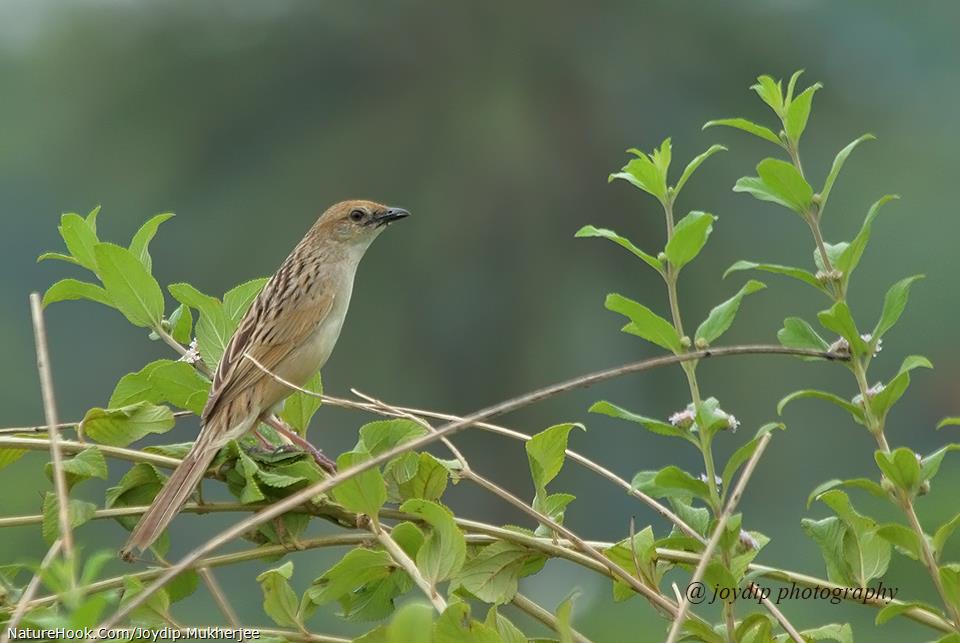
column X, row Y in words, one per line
column 172, row 496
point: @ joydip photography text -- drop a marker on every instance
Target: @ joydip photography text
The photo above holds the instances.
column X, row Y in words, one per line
column 698, row 593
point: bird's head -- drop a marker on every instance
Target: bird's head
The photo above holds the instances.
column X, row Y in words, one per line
column 357, row 222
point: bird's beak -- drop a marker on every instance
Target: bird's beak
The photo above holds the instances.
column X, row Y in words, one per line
column 388, row 216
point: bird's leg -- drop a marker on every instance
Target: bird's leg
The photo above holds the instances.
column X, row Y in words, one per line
column 265, row 443
column 323, row 461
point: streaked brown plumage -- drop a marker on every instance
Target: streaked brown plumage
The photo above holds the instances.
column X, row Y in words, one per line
column 291, row 329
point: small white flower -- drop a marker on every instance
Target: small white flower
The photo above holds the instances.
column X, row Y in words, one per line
column 876, row 389
column 748, row 541
column 717, row 479
column 683, row 419
column 867, row 337
column 872, row 392
column 732, row 422
column 192, row 356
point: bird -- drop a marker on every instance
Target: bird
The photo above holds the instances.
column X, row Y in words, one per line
column 287, row 334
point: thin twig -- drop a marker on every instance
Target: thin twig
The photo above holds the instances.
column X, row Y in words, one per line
column 218, row 595
column 480, row 534
column 718, row 531
column 50, row 413
column 296, row 499
column 584, row 461
column 782, row 620
column 467, row 473
column 544, row 616
column 650, row 593
column 70, row 446
column 25, row 599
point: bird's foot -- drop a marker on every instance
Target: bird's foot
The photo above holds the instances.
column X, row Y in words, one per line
column 322, row 460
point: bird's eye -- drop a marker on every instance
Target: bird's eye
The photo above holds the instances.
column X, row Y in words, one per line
column 357, row 215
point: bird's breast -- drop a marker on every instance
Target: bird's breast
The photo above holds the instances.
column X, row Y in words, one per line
column 308, row 358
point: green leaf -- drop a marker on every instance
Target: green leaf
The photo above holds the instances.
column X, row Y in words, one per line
column 456, row 626
column 9, row 456
column 181, row 324
column 722, row 315
column 428, row 483
column 902, row 467
column 181, row 385
column 643, row 173
column 930, row 465
column 87, row 464
column 299, row 408
column 796, row 273
column 623, row 242
column 59, row 256
column 694, row 164
column 951, row 421
column 280, row 602
column 672, row 477
column 950, row 580
column 778, row 182
column 943, row 534
column 72, row 289
column 743, row 454
column 796, row 333
column 213, row 328
column 509, row 633
column 655, row 426
column 849, row 257
column 442, row 554
column 689, row 236
column 645, row 323
column 838, row 162
column 493, row 574
column 832, row 632
column 798, row 112
column 565, row 619
column 135, row 387
column 893, row 305
column 359, row 567
column 122, row 426
column 383, row 435
column 132, row 289
column 237, row 300
column 80, row 240
column 411, row 624
column 155, row 612
column 747, row 126
column 182, row 585
column 639, row 552
column 364, row 493
column 552, row 505
column 859, row 483
column 902, row 538
column 881, row 402
column 140, row 245
column 839, row 319
column 546, row 450
column 139, row 485
column 849, row 407
column 828, row 534
column 896, row 609
column 866, row 553
column 771, row 92
column 78, row 513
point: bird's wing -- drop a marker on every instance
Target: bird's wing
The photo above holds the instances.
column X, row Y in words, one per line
column 268, row 333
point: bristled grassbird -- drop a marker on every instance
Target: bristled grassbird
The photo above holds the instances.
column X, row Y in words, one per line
column 289, row 330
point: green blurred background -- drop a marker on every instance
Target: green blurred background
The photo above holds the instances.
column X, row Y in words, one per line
column 496, row 124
